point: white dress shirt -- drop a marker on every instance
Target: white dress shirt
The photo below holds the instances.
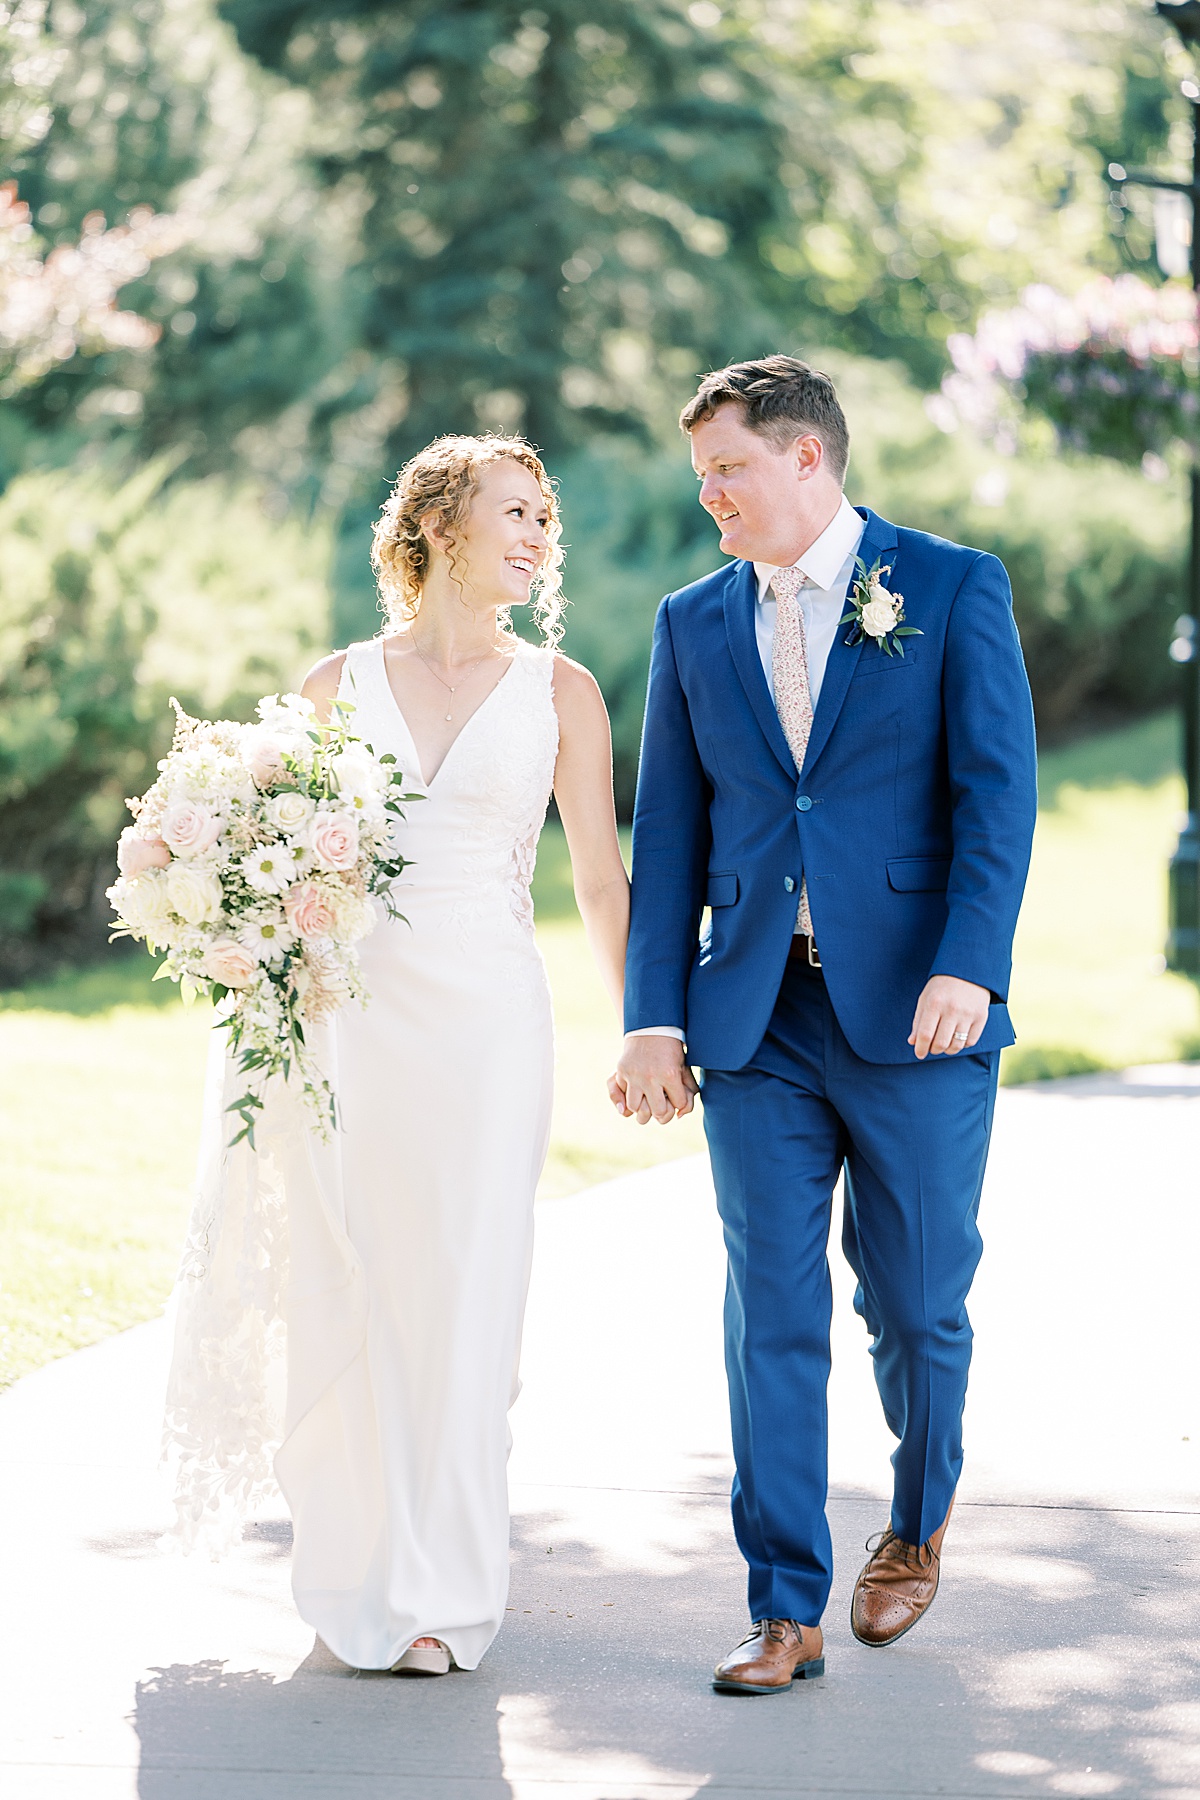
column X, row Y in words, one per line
column 827, row 566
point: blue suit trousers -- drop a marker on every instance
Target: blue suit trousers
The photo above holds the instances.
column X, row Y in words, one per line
column 913, row 1139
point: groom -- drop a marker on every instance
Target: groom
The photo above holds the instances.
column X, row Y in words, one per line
column 834, row 814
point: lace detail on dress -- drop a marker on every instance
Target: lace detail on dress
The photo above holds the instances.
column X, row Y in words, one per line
column 524, row 859
column 510, row 792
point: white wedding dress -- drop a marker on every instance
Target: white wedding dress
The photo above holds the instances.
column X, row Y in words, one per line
column 354, row 1309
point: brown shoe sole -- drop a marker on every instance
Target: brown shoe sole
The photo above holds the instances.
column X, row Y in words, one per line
column 807, row 1671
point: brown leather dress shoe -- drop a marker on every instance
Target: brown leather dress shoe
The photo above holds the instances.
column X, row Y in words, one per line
column 896, row 1587
column 775, row 1653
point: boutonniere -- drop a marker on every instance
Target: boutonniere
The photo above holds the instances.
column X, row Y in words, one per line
column 877, row 613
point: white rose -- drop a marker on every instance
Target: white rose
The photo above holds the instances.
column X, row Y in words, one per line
column 195, row 894
column 289, row 813
column 879, row 615
column 291, row 711
column 144, row 902
column 357, row 918
column 355, row 771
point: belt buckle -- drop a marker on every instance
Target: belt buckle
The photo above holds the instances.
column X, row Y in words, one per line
column 814, row 961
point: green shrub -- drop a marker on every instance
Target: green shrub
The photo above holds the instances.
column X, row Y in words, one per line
column 1046, row 1062
column 113, row 596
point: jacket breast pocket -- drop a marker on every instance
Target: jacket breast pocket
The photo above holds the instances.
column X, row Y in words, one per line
column 918, row 874
column 874, row 661
column 722, row 890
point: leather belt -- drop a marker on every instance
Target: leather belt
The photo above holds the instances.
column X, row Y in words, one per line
column 804, row 949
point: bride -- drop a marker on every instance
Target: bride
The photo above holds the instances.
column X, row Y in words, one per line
column 372, row 1290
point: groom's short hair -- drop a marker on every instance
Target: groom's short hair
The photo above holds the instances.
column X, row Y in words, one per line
column 781, row 398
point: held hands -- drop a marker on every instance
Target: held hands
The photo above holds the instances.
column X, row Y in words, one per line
column 652, row 1081
column 950, row 1017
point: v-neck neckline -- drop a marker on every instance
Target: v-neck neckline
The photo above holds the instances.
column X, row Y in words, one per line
column 431, row 783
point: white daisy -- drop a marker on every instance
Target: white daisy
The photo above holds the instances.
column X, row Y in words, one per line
column 298, row 855
column 269, row 870
column 267, row 938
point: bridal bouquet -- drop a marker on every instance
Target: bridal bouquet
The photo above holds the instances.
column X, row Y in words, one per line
column 253, row 862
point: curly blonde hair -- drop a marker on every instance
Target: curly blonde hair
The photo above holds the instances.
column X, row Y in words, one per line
column 441, row 482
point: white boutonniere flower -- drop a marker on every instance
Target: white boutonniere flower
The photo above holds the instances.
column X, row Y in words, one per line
column 876, row 612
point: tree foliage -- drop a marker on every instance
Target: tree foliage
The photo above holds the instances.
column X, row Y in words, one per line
column 396, row 221
column 562, row 206
column 129, row 104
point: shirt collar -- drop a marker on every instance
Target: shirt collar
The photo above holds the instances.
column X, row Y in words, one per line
column 824, row 560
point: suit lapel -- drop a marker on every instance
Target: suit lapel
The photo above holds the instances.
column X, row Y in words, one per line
column 878, row 540
column 741, row 598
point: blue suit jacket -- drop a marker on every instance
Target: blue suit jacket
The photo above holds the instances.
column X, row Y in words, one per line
column 912, row 817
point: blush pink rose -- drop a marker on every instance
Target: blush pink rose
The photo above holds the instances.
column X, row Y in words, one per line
column 334, row 840
column 309, row 910
column 230, row 963
column 190, row 828
column 136, row 854
column 264, row 758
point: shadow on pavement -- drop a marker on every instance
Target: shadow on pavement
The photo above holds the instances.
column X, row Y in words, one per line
column 1062, row 1658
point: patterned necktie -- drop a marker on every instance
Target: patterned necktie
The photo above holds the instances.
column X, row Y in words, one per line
column 793, row 698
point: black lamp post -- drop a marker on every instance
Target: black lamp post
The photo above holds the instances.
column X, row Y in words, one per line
column 1183, row 939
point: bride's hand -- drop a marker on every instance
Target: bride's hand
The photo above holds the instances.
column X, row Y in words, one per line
column 652, row 1080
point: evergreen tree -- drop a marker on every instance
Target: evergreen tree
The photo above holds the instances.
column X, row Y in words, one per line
column 562, row 205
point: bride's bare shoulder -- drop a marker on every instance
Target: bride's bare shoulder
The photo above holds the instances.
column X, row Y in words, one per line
column 577, row 697
column 573, row 684
column 322, row 682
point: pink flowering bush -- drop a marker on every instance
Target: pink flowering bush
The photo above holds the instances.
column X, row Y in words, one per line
column 53, row 306
column 1113, row 369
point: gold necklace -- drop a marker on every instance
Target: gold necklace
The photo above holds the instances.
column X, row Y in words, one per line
column 450, row 690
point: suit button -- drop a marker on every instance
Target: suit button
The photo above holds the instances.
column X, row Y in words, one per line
column 789, row 886
column 803, row 803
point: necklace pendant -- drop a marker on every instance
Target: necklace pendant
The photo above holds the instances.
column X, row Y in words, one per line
column 448, row 719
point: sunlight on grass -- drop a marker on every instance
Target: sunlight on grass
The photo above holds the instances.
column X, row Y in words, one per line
column 100, row 1118
column 103, row 1068
column 1088, row 971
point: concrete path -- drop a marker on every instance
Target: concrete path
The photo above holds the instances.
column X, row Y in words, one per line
column 1062, row 1657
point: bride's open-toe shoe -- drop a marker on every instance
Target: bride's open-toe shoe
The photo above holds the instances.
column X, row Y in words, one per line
column 428, row 1656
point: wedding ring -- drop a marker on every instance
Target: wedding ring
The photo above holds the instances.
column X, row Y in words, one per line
column 960, row 1037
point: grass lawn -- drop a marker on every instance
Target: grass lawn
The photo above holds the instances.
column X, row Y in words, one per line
column 99, row 1111
column 1089, row 988
column 100, row 1101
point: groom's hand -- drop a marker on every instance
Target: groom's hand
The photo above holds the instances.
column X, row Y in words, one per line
column 950, row 1017
column 652, row 1080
